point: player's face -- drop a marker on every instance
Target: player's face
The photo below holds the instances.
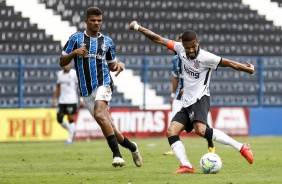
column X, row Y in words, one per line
column 191, row 48
column 94, row 23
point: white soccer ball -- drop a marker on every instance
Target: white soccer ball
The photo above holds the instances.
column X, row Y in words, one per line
column 210, row 163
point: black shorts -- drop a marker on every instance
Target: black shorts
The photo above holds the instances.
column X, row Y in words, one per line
column 195, row 112
column 67, row 108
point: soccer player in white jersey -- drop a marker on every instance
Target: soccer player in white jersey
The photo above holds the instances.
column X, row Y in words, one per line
column 176, row 94
column 197, row 65
column 66, row 89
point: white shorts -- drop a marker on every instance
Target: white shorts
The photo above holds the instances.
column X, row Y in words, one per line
column 176, row 106
column 103, row 93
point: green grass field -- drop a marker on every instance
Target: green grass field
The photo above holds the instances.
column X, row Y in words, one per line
column 90, row 162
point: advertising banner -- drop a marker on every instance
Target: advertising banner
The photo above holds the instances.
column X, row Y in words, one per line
column 41, row 124
column 233, row 121
column 30, row 125
column 133, row 122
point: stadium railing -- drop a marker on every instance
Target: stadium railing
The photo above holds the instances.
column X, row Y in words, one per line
column 265, row 72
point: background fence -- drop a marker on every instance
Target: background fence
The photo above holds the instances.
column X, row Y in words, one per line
column 30, row 80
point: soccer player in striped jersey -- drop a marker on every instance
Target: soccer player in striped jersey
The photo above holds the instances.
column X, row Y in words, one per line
column 197, row 65
column 94, row 57
column 176, row 94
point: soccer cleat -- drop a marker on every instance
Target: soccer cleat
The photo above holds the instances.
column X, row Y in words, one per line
column 247, row 153
column 170, row 152
column 67, row 143
column 137, row 159
column 184, row 169
column 211, row 149
column 118, row 162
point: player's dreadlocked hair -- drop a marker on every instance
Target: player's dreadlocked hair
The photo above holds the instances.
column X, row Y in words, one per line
column 189, row 35
column 93, row 11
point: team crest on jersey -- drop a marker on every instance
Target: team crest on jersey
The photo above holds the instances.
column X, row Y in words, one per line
column 103, row 47
column 196, row 64
column 83, row 45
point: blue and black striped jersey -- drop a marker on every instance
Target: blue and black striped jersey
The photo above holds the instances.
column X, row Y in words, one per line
column 92, row 69
column 177, row 72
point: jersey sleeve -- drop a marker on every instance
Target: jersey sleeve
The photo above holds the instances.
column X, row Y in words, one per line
column 70, row 45
column 211, row 60
column 175, row 46
column 110, row 54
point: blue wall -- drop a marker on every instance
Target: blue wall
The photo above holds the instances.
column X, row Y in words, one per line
column 265, row 121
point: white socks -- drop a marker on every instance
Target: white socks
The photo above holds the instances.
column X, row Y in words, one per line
column 222, row 138
column 70, row 127
column 71, row 132
column 179, row 151
column 65, row 125
column 218, row 136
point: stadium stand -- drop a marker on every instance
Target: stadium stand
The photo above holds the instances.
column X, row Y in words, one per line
column 229, row 29
column 278, row 1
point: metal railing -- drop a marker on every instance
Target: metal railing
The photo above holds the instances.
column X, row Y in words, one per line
column 19, row 65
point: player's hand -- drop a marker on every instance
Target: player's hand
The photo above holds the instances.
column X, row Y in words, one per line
column 54, row 103
column 132, row 24
column 119, row 67
column 82, row 51
column 81, row 104
column 251, row 67
column 171, row 101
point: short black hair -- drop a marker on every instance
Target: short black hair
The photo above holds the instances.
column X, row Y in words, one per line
column 189, row 35
column 93, row 11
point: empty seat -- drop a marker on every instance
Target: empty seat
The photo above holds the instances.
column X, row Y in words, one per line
column 7, row 60
column 37, row 102
column 10, row 102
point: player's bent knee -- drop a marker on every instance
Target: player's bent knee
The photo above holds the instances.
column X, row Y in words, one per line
column 170, row 132
column 200, row 132
column 71, row 119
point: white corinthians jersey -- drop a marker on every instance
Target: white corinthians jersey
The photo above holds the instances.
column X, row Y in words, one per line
column 68, row 85
column 196, row 73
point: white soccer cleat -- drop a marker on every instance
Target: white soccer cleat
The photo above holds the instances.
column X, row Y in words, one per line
column 118, row 162
column 137, row 159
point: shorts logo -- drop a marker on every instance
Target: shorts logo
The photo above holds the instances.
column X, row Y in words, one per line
column 196, row 64
column 69, row 109
column 191, row 115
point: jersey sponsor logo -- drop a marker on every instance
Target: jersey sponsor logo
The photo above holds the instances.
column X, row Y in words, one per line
column 196, row 75
column 196, row 64
column 97, row 56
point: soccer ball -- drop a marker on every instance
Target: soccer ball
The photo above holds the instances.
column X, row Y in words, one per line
column 210, row 163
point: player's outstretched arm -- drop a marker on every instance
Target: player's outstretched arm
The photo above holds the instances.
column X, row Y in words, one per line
column 248, row 67
column 149, row 34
